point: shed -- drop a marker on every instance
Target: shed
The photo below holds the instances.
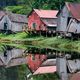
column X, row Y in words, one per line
column 19, row 21
column 44, row 70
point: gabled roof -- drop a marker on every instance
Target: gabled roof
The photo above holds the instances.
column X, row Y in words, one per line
column 45, row 13
column 74, row 9
column 14, row 17
column 17, row 17
column 2, row 14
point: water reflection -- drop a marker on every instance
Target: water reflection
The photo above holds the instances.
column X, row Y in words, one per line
column 13, row 73
column 11, row 56
column 15, row 63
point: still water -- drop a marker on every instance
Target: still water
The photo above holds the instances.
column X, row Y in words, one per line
column 18, row 63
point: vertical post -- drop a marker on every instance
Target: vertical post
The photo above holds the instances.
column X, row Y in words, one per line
column 51, row 34
column 46, row 33
column 40, row 32
column 57, row 35
column 78, row 36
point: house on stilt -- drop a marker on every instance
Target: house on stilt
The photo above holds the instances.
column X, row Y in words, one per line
column 42, row 21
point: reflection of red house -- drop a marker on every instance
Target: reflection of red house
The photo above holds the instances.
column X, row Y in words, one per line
column 42, row 20
column 35, row 60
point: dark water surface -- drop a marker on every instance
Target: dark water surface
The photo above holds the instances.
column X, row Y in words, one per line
column 15, row 62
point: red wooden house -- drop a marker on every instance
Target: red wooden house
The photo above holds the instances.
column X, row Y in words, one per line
column 42, row 20
column 35, row 60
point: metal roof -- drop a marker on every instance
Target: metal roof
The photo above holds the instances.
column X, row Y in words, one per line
column 46, row 13
column 50, row 22
column 14, row 17
column 17, row 17
column 2, row 14
column 74, row 9
column 44, row 70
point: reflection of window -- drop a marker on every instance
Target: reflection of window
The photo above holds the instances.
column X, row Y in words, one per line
column 5, row 26
column 5, row 54
column 34, row 25
column 51, row 28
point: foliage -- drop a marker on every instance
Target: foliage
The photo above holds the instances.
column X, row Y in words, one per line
column 53, row 76
column 13, row 73
column 20, row 35
column 19, row 9
column 25, row 6
column 14, row 9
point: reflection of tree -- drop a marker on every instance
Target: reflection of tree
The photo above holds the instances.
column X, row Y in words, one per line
column 14, row 73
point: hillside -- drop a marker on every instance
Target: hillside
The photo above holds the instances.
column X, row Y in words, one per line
column 25, row 6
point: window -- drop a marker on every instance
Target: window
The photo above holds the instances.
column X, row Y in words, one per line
column 34, row 25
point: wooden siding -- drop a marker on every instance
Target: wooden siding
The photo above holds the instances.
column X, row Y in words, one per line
column 61, row 68
column 16, row 61
column 17, row 26
column 34, row 18
column 1, row 63
column 75, row 76
column 62, row 20
column 74, row 26
column 35, row 60
column 14, row 53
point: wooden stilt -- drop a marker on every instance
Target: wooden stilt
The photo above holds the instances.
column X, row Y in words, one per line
column 51, row 34
column 40, row 32
column 72, row 38
column 46, row 33
column 78, row 36
column 64, row 35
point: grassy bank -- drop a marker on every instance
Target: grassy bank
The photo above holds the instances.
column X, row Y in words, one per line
column 39, row 41
column 22, row 36
column 63, row 44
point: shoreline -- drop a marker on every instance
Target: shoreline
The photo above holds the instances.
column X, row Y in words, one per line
column 52, row 42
